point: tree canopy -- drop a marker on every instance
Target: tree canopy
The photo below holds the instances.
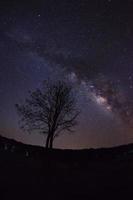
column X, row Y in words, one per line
column 49, row 110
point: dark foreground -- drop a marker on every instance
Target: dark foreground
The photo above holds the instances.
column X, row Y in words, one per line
column 87, row 174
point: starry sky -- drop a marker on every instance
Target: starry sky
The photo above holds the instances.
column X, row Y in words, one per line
column 90, row 44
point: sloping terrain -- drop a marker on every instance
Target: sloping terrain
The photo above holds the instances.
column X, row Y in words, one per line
column 31, row 172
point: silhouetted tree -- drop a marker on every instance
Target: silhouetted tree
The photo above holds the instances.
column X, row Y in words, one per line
column 50, row 110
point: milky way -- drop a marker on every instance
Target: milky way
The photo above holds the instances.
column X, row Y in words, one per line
column 90, row 44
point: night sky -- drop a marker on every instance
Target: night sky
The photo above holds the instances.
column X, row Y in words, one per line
column 90, row 44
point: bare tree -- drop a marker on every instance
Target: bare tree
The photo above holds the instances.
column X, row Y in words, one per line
column 50, row 110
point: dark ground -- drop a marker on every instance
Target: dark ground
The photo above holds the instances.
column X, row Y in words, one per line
column 64, row 174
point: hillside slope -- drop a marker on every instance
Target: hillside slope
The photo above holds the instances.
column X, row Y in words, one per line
column 30, row 172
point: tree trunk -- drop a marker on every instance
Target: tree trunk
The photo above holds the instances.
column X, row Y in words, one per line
column 47, row 141
column 51, row 141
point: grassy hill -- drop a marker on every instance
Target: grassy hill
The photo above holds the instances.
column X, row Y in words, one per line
column 31, row 172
